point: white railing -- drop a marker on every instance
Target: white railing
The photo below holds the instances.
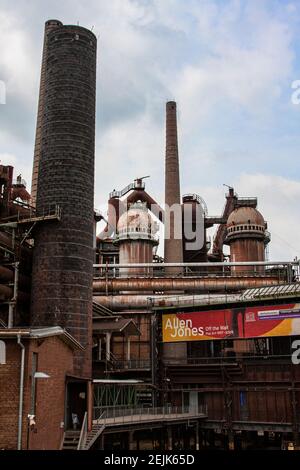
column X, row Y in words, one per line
column 83, row 433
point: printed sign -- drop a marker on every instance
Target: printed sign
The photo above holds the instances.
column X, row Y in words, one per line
column 238, row 323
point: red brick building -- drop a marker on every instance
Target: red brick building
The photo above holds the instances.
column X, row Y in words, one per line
column 43, row 360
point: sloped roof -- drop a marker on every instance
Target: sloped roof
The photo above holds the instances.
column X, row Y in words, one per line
column 115, row 325
column 35, row 333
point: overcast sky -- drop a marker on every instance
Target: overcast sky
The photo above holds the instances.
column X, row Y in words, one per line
column 228, row 64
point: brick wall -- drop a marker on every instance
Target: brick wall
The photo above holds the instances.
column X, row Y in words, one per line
column 63, row 257
column 9, row 396
column 55, row 358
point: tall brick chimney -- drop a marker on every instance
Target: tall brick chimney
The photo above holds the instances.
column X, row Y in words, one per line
column 173, row 352
column 62, row 272
column 50, row 25
column 173, row 246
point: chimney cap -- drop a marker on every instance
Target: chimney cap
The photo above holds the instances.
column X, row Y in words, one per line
column 53, row 22
column 171, row 104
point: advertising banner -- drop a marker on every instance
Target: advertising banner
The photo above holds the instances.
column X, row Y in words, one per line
column 237, row 323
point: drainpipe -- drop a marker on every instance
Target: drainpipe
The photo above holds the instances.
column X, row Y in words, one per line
column 21, row 392
column 13, row 302
column 90, row 396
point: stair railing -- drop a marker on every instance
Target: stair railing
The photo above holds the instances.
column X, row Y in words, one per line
column 83, row 433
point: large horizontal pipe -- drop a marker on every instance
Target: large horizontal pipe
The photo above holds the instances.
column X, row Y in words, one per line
column 181, row 284
column 6, row 240
column 140, row 301
column 7, row 274
column 195, row 265
column 6, row 293
column 123, row 302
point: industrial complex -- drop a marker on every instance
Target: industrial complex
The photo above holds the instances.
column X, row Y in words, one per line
column 106, row 344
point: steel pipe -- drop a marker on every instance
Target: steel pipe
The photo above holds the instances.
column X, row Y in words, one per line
column 140, row 301
column 7, row 274
column 7, row 242
column 122, row 302
column 134, row 302
column 7, row 293
column 181, row 284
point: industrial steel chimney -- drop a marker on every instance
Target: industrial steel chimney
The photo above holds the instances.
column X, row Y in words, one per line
column 50, row 25
column 173, row 352
column 173, row 228
column 63, row 250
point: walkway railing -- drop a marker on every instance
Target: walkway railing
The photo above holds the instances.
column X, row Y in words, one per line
column 284, row 271
column 116, row 416
column 238, row 358
column 133, row 364
column 49, row 211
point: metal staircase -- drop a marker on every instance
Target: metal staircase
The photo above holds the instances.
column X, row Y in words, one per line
column 92, row 436
column 70, row 440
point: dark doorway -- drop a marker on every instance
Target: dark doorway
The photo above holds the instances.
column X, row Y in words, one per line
column 76, row 402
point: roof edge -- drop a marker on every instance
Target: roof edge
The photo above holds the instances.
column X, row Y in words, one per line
column 36, row 333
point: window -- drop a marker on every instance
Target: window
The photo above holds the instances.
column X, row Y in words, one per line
column 2, row 352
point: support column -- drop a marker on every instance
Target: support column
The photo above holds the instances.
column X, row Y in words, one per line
column 108, row 338
column 230, row 441
column 197, row 437
column 128, row 348
column 89, row 405
column 295, row 425
column 169, row 439
column 99, row 349
column 131, row 441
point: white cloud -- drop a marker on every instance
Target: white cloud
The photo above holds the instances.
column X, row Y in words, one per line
column 126, row 151
column 7, row 159
column 244, row 66
column 17, row 65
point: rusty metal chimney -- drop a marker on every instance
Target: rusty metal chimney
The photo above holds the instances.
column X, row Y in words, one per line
column 173, row 236
column 50, row 25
